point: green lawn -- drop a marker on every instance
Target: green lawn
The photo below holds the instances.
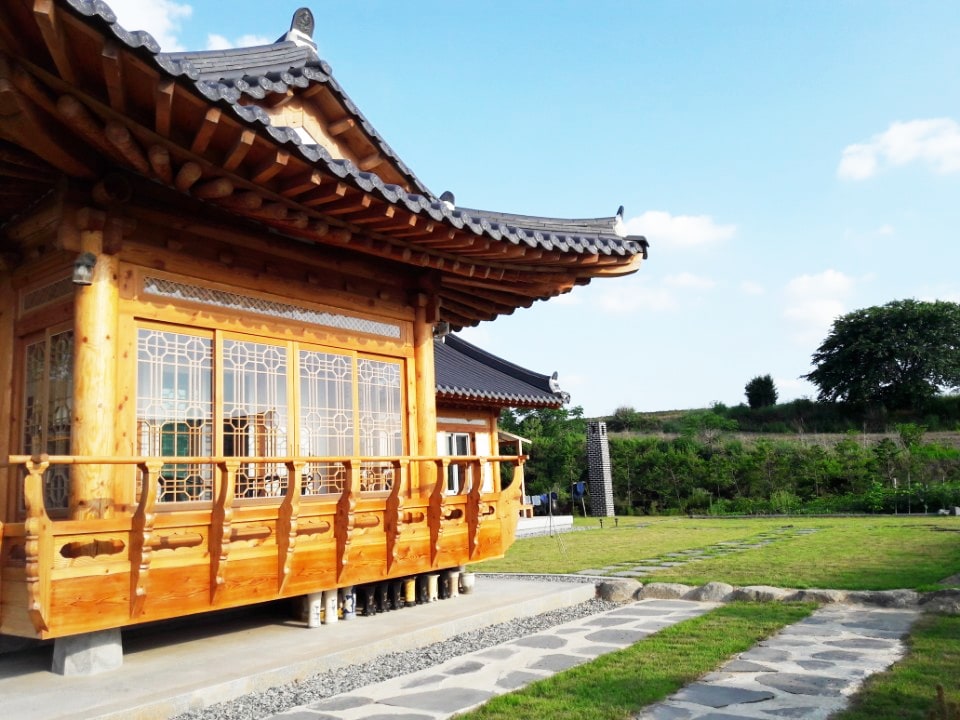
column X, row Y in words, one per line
column 863, row 553
column 618, row 685
column 908, row 689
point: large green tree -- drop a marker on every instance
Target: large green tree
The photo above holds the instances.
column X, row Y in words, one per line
column 899, row 355
column 761, row 392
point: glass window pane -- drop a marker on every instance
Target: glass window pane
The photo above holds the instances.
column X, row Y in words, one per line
column 255, row 414
column 175, row 409
column 326, row 418
column 381, row 420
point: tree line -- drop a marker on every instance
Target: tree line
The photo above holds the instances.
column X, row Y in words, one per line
column 707, row 469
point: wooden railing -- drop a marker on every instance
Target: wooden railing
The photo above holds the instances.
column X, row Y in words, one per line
column 132, row 537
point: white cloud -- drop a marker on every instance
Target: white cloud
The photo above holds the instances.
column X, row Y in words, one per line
column 160, row 18
column 748, row 287
column 640, row 298
column 688, row 280
column 682, row 230
column 219, row 42
column 886, row 230
column 814, row 302
column 935, row 142
column 945, row 293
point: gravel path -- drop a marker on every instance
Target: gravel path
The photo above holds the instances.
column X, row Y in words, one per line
column 327, row 684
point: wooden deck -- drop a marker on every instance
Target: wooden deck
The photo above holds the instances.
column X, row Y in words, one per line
column 161, row 560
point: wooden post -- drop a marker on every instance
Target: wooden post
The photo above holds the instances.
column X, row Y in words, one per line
column 94, row 380
column 7, row 311
column 427, row 312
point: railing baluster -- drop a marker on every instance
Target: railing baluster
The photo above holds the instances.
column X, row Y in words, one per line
column 287, row 517
column 346, row 517
column 436, row 508
column 141, row 527
column 39, row 543
column 393, row 512
column 221, row 522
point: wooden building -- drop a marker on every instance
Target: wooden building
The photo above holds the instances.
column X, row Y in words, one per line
column 219, row 295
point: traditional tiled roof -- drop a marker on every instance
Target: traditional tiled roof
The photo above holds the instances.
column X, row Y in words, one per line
column 467, row 373
column 89, row 98
column 224, row 76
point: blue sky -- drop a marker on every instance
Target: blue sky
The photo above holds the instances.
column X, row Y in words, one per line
column 788, row 162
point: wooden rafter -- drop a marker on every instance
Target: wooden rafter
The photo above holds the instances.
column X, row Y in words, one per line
column 339, row 127
column 112, row 61
column 163, row 99
column 270, row 168
column 120, row 137
column 20, row 122
column 239, row 150
column 205, row 132
column 299, row 184
column 48, row 20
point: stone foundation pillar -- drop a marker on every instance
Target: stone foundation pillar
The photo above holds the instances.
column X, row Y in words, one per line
column 88, row 654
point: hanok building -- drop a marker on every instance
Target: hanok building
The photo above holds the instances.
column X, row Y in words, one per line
column 219, row 294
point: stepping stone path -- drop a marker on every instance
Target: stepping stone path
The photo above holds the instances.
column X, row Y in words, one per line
column 650, row 566
column 808, row 670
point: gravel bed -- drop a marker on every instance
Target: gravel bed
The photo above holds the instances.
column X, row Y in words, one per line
column 333, row 682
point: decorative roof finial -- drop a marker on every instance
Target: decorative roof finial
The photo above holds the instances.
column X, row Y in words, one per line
column 303, row 21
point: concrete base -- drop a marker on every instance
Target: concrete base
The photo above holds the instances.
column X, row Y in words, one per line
column 88, row 654
column 544, row 525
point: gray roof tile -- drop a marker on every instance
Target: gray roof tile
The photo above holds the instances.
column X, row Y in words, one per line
column 466, row 372
column 223, row 76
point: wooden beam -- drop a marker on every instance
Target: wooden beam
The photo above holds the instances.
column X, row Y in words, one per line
column 213, row 189
column 239, row 151
column 113, row 76
column 347, row 205
column 163, row 106
column 241, row 201
column 270, row 168
column 48, row 20
column 96, row 314
column 82, row 122
column 19, row 122
column 341, row 126
column 325, row 194
column 205, row 132
column 370, row 162
column 159, row 158
column 302, row 183
column 120, row 137
column 188, row 174
column 374, row 215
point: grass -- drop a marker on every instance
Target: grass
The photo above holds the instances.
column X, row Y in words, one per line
column 863, row 553
column 618, row 685
column 907, row 690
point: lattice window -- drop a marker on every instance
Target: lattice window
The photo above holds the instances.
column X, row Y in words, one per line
column 255, row 418
column 326, row 418
column 381, row 419
column 48, row 410
column 260, row 306
column 175, row 410
column 47, row 294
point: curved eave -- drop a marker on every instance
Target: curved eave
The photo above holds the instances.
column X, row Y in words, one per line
column 128, row 112
column 467, row 396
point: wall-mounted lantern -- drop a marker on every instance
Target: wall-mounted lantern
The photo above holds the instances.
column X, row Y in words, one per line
column 83, row 269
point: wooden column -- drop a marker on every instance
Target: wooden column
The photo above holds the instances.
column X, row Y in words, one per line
column 94, row 378
column 427, row 312
column 7, row 311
